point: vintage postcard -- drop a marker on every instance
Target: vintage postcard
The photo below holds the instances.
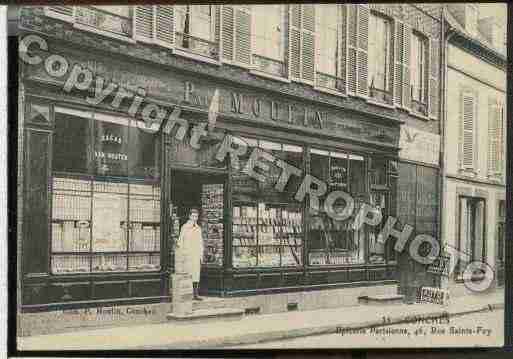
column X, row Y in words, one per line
column 260, row 176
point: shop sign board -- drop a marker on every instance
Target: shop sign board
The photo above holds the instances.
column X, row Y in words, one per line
column 431, row 295
column 419, row 146
column 250, row 105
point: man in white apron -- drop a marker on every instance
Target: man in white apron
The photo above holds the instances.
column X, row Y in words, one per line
column 189, row 248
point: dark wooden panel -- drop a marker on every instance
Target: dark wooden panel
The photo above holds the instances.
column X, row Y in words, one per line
column 144, row 288
column 36, row 202
column 67, row 292
column 356, row 275
column 244, row 281
column 211, row 281
column 337, row 276
column 318, row 277
column 110, row 290
column 270, row 280
column 292, row 279
column 376, row 274
column 34, row 294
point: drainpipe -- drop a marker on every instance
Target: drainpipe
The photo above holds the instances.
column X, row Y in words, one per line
column 446, row 35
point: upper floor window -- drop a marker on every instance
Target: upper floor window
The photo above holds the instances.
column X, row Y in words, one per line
column 328, row 43
column 418, row 68
column 196, row 29
column 379, row 52
column 328, row 48
column 268, row 38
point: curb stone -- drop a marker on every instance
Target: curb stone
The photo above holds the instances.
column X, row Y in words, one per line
column 271, row 336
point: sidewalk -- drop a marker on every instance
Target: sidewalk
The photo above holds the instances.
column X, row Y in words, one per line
column 254, row 329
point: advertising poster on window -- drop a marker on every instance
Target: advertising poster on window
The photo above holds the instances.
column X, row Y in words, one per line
column 111, row 145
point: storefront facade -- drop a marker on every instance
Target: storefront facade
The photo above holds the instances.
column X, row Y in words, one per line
column 105, row 194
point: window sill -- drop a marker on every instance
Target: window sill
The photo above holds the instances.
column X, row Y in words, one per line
column 381, row 104
column 185, row 53
column 269, row 76
column 303, row 81
column 468, row 173
column 418, row 115
column 330, row 91
column 103, row 33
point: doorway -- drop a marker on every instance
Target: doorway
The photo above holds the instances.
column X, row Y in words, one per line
column 206, row 192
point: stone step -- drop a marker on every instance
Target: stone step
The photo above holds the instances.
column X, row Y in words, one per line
column 206, row 315
column 381, row 299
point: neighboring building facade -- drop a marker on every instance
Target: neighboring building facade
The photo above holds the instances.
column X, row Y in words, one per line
column 475, row 141
column 103, row 196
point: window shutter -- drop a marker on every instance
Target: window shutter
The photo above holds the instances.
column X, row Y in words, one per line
column 295, row 41
column 227, row 32
column 66, row 13
column 352, row 70
column 494, row 137
column 165, row 25
column 398, row 63
column 308, row 43
column 406, row 100
column 501, row 148
column 143, row 20
column 432, row 69
column 217, row 23
column 342, row 49
column 243, row 35
column 362, row 87
column 467, row 154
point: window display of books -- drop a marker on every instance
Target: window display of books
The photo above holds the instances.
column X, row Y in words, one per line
column 212, row 205
column 70, row 264
column 109, row 263
column 91, row 217
column 272, row 231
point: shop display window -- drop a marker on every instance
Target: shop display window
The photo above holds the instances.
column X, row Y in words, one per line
column 267, row 223
column 106, row 195
column 333, row 241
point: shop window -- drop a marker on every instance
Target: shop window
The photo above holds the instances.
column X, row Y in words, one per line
column 196, row 29
column 106, row 195
column 267, row 223
column 418, row 68
column 268, row 38
column 472, row 221
column 182, row 153
column 379, row 58
column 378, row 172
column 332, row 241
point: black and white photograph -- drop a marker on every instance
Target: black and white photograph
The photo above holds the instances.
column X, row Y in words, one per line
column 258, row 176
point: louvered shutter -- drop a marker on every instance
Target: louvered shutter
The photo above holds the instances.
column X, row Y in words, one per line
column 243, row 35
column 398, row 63
column 342, row 49
column 467, row 154
column 227, row 32
column 295, row 41
column 391, row 54
column 217, row 23
column 494, row 137
column 144, row 23
column 164, row 25
column 352, row 27
column 362, row 86
column 308, row 43
column 434, row 90
column 406, row 100
column 66, row 13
